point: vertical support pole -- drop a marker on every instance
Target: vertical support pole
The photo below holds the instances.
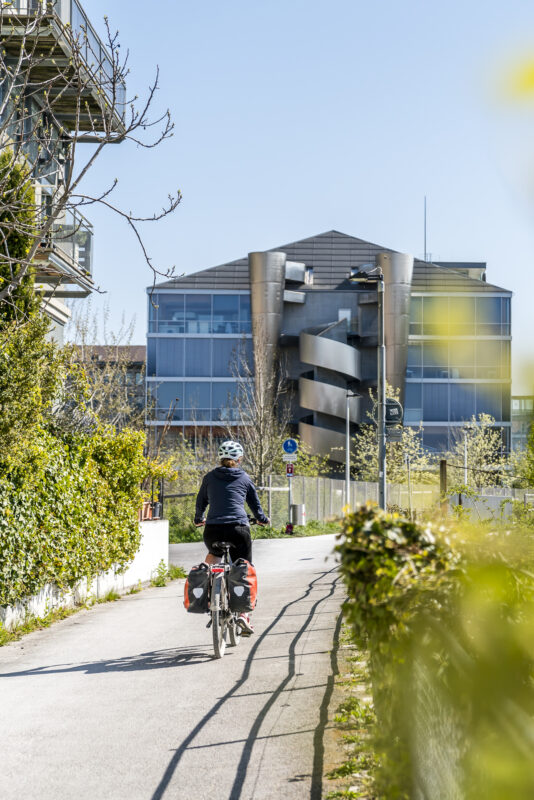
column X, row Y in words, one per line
column 269, row 498
column 347, row 450
column 409, row 486
column 382, row 477
column 443, row 484
column 465, row 458
column 289, row 498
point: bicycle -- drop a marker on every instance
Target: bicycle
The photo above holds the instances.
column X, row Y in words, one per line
column 223, row 621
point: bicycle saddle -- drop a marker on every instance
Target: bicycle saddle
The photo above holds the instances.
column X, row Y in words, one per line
column 220, row 547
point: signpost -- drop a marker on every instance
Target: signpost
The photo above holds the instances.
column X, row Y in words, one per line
column 290, row 448
column 394, row 412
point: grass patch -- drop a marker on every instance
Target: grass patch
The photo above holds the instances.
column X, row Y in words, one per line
column 176, row 572
column 109, row 597
column 32, row 624
column 182, row 535
column 162, row 574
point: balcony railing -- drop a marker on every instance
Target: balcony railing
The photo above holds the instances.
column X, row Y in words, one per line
column 73, row 235
column 95, row 55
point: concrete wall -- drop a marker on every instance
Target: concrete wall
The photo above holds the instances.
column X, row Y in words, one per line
column 153, row 549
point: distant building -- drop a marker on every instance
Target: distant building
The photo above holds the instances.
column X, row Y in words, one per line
column 448, row 339
column 522, row 420
column 127, row 364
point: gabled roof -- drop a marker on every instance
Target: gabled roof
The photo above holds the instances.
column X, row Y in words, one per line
column 331, row 254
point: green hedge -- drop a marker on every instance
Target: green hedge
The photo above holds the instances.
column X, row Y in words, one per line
column 448, row 619
column 73, row 513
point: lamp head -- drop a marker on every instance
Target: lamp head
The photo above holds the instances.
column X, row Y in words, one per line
column 365, row 273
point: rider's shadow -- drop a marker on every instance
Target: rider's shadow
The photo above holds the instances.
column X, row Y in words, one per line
column 157, row 659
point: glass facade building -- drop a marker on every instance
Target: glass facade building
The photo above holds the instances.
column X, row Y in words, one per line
column 458, row 363
column 457, row 342
column 197, row 346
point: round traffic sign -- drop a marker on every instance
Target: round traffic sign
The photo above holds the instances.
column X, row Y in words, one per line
column 290, row 446
column 393, row 411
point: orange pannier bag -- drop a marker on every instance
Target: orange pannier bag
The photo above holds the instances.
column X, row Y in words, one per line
column 242, row 586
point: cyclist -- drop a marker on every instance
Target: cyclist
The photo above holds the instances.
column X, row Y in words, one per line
column 226, row 489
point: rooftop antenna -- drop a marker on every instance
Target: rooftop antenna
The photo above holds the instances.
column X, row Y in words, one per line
column 425, row 231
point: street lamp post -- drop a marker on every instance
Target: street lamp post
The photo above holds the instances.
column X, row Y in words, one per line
column 381, row 392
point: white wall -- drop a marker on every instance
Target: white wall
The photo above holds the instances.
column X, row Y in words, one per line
column 153, row 549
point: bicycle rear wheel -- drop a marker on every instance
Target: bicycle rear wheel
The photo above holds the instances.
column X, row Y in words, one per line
column 234, row 631
column 219, row 618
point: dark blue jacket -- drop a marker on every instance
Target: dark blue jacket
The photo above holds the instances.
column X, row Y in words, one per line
column 225, row 490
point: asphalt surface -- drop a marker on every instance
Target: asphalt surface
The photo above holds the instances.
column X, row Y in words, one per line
column 125, row 701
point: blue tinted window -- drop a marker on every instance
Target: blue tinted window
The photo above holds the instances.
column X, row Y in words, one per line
column 244, row 313
column 489, row 316
column 223, row 400
column 435, row 360
column 436, row 438
column 170, row 313
column 416, row 316
column 197, row 400
column 436, row 402
column 435, row 316
column 225, row 313
column 489, row 362
column 489, row 400
column 169, row 397
column 198, row 313
column 415, row 360
column 462, row 401
column 170, row 358
column 461, row 359
column 151, row 356
column 198, row 358
column 462, row 316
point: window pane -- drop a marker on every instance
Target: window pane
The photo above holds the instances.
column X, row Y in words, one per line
column 415, row 359
column 153, row 313
column 198, row 313
column 197, row 394
column 170, row 313
column 151, row 357
column 489, row 316
column 413, row 402
column 223, row 400
column 505, row 316
column 170, row 358
column 462, row 316
column 436, row 438
column 462, row 359
column 225, row 357
column 225, row 313
column 244, row 313
column 489, row 400
column 488, row 359
column 462, row 401
column 169, row 394
column 198, row 358
column 436, row 402
column 435, row 316
column 416, row 316
column 435, row 358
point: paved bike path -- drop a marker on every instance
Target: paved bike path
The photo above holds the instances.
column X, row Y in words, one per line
column 126, row 700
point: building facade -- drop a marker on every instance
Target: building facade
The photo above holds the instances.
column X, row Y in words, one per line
column 448, row 340
column 58, row 107
column 522, row 420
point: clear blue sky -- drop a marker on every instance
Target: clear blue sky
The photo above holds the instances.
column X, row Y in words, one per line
column 293, row 118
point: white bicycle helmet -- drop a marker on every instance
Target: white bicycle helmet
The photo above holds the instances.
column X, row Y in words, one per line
column 230, row 449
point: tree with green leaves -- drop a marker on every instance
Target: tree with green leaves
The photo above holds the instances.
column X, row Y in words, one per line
column 481, row 442
column 17, row 231
column 408, row 453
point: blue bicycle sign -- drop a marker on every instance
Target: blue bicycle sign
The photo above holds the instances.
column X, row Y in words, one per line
column 290, row 446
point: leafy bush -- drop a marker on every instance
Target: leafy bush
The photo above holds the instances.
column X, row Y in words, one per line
column 447, row 616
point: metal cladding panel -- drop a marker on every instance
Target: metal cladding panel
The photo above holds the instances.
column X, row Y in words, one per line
column 295, row 271
column 327, row 399
column 294, row 297
column 329, row 354
column 323, row 442
column 397, row 269
column 267, row 276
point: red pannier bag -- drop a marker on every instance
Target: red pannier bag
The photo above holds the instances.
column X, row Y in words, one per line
column 242, row 586
column 196, row 590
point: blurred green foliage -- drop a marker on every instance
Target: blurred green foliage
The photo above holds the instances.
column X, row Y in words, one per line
column 447, row 615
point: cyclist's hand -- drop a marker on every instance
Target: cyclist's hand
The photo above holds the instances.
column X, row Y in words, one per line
column 263, row 524
column 200, row 524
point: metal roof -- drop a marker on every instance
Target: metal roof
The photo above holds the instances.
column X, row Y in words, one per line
column 331, row 255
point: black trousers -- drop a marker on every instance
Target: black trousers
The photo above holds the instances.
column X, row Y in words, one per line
column 236, row 533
